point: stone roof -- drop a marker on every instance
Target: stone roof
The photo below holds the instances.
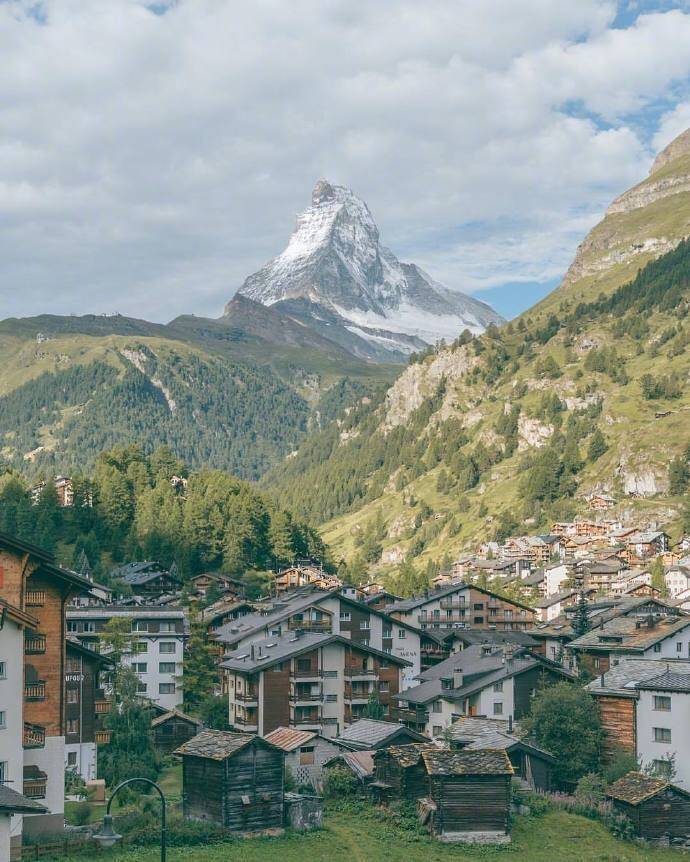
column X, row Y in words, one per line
column 174, row 713
column 406, row 755
column 371, row 733
column 483, row 762
column 624, row 633
column 361, row 763
column 217, row 744
column 629, row 674
column 668, row 681
column 289, row 738
column 636, row 787
column 15, row 803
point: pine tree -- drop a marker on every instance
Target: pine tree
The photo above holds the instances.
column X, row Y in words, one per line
column 581, row 622
column 597, row 446
column 200, row 669
column 659, row 576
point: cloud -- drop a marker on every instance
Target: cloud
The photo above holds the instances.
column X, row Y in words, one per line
column 153, row 155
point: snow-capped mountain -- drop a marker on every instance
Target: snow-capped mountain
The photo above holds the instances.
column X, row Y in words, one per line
column 336, row 276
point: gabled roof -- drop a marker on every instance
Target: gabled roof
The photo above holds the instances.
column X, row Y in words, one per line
column 12, row 802
column 635, row 788
column 361, row 763
column 219, row 744
column 21, row 618
column 415, row 602
column 450, row 763
column 175, row 713
column 670, row 680
column 290, row 738
column 405, row 755
column 479, row 733
column 626, row 677
column 622, row 633
column 46, row 559
column 371, row 733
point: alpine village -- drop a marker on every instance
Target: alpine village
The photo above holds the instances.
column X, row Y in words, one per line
column 292, row 584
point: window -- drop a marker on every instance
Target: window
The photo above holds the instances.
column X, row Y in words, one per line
column 71, row 758
column 167, row 647
column 140, row 667
column 3, row 772
column 3, row 719
column 72, row 665
column 662, row 734
column 166, row 688
column 596, row 662
column 166, row 667
column 478, row 621
column 662, row 702
column 498, row 686
column 139, row 626
column 3, row 670
column 304, row 665
column 345, row 616
column 663, row 768
column 437, row 706
column 679, row 646
column 72, row 627
column 364, row 625
column 306, row 755
column 437, row 730
column 331, row 698
column 140, row 646
column 402, row 634
column 89, row 627
column 478, row 606
column 446, row 684
column 498, row 708
column 387, row 633
column 166, row 627
column 72, row 725
column 141, row 688
column 72, row 695
column 384, row 685
column 657, row 647
column 330, row 674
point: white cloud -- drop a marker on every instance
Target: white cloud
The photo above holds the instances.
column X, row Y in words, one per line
column 149, row 162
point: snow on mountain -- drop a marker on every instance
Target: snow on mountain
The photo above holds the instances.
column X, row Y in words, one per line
column 335, row 273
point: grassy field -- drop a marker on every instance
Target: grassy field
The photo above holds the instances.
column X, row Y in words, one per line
column 368, row 836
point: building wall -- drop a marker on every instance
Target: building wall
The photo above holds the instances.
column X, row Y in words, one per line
column 618, row 720
column 554, row 579
column 311, row 773
column 11, row 702
column 83, row 758
column 677, row 720
column 5, row 836
column 51, row 760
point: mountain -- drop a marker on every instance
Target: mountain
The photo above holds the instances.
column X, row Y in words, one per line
column 503, row 433
column 336, row 277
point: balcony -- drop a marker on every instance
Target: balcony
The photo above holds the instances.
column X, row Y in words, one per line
column 246, row 722
column 103, row 706
column 452, row 604
column 246, row 697
column 297, row 697
column 34, row 736
column 34, row 644
column 102, row 737
column 360, row 672
column 442, row 622
column 324, row 625
column 35, row 598
column 35, row 690
column 35, row 788
column 315, row 673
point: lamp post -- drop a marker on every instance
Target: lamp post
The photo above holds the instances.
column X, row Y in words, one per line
column 108, row 837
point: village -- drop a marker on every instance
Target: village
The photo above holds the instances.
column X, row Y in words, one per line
column 426, row 699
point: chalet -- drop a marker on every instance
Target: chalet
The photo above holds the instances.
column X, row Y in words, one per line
column 328, row 612
column 590, row 529
column 380, row 599
column 306, row 753
column 229, row 587
column 359, row 763
column 553, row 606
column 158, row 637
column 64, row 488
column 148, row 579
column 469, row 795
column 483, row 680
column 97, row 595
column 643, row 545
column 31, row 583
column 677, row 578
column 308, row 680
column 370, row 734
column 657, row 809
column 597, row 575
column 600, row 502
column 225, row 611
column 233, row 779
column 12, row 805
column 644, row 707
column 463, row 605
column 303, row 575
column 86, row 708
column 401, row 768
column 563, row 528
column 172, row 729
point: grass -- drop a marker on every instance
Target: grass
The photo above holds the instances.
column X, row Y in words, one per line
column 366, row 835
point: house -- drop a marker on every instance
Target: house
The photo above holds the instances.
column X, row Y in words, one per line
column 555, row 578
column 233, row 779
column 657, row 809
column 469, row 792
column 11, row 805
column 303, row 574
column 553, row 606
column 96, row 596
column 378, row 600
column 530, row 763
column 64, row 488
column 38, row 589
column 643, row 706
column 643, row 545
column 403, row 770
column 172, row 729
column 158, row 637
column 311, row 609
column 148, row 579
column 370, row 734
column 677, row 578
column 225, row 611
column 306, row 753
column 484, row 680
column 359, row 763
column 600, row 502
column 309, row 680
column 599, row 575
column 206, row 581
column 86, row 708
column 463, row 605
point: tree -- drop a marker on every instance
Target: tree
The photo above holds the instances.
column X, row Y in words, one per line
column 597, row 446
column 581, row 622
column 678, row 475
column 213, row 711
column 565, row 721
column 659, row 576
column 200, row 669
column 374, row 708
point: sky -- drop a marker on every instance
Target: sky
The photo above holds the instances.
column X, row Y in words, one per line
column 152, row 155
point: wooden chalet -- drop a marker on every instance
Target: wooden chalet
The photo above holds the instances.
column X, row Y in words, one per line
column 172, row 729
column 656, row 808
column 402, row 770
column 233, row 779
column 230, row 587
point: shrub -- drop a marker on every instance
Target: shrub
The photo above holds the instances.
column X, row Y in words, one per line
column 590, row 789
column 140, row 828
column 81, row 813
column 338, row 782
column 620, row 764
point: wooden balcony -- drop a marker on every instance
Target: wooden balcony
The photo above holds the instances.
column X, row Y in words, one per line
column 246, row 697
column 307, row 674
column 35, row 690
column 364, row 673
column 103, row 706
column 34, row 644
column 34, row 736
column 35, row 598
column 310, row 625
column 296, row 697
column 451, row 604
column 102, row 737
column 35, row 788
column 245, row 721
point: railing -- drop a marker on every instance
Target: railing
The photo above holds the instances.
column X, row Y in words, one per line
column 35, row 690
column 34, row 644
column 305, row 674
column 34, row 736
column 35, row 788
column 353, row 671
column 103, row 706
column 245, row 722
column 102, row 737
column 419, row 716
column 309, row 698
column 450, row 604
column 246, row 696
column 310, row 625
column 35, row 598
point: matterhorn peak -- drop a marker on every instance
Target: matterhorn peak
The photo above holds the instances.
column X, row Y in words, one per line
column 335, row 275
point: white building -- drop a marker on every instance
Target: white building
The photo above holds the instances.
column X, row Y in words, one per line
column 554, row 578
column 677, row 579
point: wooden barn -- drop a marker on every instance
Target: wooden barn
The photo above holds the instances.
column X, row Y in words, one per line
column 470, row 794
column 173, row 728
column 657, row 808
column 233, row 779
column 402, row 769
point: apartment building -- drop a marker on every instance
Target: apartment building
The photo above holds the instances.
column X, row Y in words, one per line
column 38, row 591
column 158, row 637
column 313, row 610
column 307, row 680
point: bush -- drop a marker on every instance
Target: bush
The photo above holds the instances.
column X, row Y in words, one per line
column 621, row 763
column 590, row 789
column 81, row 813
column 339, row 781
column 140, row 828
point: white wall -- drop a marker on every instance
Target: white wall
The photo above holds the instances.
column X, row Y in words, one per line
column 554, row 578
column 5, row 835
column 86, row 759
column 677, row 720
column 152, row 677
column 669, row 647
column 51, row 760
column 12, row 703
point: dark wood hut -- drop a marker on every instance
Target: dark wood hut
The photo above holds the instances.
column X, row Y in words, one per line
column 403, row 770
column 172, row 729
column 657, row 808
column 233, row 779
column 470, row 792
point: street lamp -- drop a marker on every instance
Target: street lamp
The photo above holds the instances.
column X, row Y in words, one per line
column 108, row 837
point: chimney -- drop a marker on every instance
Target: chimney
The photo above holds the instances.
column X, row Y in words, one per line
column 298, row 633
column 251, row 652
column 601, row 680
column 458, row 678
column 510, row 723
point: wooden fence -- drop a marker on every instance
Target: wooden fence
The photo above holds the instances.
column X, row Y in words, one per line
column 53, row 849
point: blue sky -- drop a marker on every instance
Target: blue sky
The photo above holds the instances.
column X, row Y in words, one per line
column 153, row 155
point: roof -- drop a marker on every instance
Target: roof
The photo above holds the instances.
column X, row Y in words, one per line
column 9, row 541
column 371, row 733
column 140, row 611
column 73, row 643
column 479, row 733
column 14, row 803
column 487, row 761
column 406, row 755
column 636, row 787
column 625, row 677
column 289, row 738
column 667, row 681
column 555, row 599
column 417, row 601
column 622, row 633
column 175, row 713
column 22, row 618
column 218, row 744
column 360, row 762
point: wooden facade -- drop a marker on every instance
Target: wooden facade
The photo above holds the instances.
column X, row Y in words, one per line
column 656, row 808
column 233, row 779
column 402, row 768
column 618, row 721
column 172, row 729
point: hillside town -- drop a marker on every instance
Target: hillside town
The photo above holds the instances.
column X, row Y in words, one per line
column 404, row 694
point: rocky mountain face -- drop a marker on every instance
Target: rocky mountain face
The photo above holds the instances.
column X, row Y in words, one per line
column 506, row 432
column 337, row 277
